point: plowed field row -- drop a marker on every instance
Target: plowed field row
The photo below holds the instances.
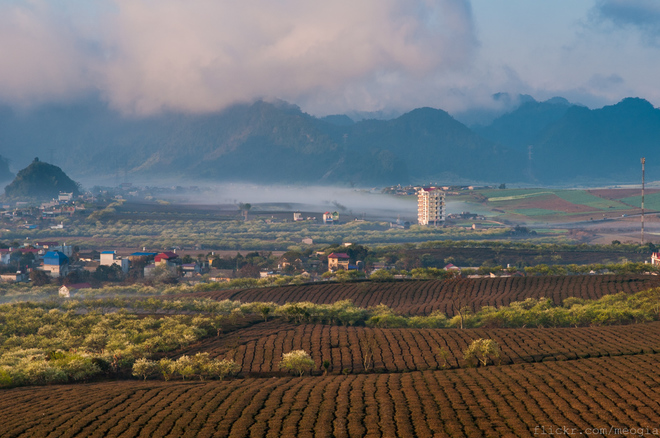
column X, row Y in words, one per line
column 258, row 349
column 425, row 296
column 517, row 400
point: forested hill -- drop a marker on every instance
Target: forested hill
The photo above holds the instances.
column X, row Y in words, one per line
column 278, row 143
column 41, row 181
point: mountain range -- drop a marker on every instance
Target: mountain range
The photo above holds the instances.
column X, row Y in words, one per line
column 551, row 142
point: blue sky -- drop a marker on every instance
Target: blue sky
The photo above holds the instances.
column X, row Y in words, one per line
column 146, row 56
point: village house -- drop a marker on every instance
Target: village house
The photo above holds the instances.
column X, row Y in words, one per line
column 109, row 258
column 5, row 255
column 56, row 264
column 66, row 290
column 655, row 259
column 338, row 261
column 166, row 258
column 17, row 277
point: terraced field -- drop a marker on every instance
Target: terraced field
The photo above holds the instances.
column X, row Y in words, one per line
column 425, row 296
column 359, row 349
column 590, row 396
column 382, row 382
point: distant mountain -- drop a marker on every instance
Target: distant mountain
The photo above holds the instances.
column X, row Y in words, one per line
column 41, row 180
column 277, row 143
column 436, row 147
column 484, row 115
column 522, row 126
column 600, row 145
column 266, row 142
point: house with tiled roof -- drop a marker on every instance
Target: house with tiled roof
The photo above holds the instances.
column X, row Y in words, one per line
column 338, row 261
column 166, row 257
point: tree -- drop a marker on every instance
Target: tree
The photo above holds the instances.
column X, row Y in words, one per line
column 480, row 351
column 166, row 368
column 368, row 347
column 245, row 208
column 221, row 368
column 39, row 278
column 185, row 366
column 381, row 275
column 145, row 368
column 249, row 271
column 444, row 355
column 108, row 273
column 297, row 361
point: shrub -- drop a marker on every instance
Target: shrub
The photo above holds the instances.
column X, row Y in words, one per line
column 297, row 361
column 480, row 351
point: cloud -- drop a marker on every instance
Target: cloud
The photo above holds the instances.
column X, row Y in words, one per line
column 643, row 15
column 145, row 56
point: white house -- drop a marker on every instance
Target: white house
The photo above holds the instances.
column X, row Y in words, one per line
column 109, row 258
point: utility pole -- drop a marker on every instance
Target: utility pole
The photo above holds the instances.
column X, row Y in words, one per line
column 643, row 163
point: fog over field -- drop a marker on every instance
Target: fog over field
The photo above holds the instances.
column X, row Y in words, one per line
column 348, row 201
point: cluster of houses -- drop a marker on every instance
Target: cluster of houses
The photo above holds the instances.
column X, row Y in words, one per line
column 31, row 217
column 56, row 261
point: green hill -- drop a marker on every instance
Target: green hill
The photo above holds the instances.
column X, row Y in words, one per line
column 41, row 180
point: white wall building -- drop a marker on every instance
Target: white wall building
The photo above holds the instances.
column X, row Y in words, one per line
column 109, row 258
column 430, row 206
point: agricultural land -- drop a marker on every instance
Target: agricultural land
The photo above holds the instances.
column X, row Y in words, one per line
column 575, row 353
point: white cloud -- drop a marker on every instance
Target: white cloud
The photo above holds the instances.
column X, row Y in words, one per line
column 145, row 56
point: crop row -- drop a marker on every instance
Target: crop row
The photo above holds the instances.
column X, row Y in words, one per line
column 603, row 393
column 258, row 349
column 425, row 296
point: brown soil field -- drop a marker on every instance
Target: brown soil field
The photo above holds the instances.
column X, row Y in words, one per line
column 259, row 348
column 516, row 400
column 502, row 257
column 620, row 193
column 422, row 297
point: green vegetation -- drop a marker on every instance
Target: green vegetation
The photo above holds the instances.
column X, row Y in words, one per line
column 651, row 201
column 297, row 361
column 50, row 342
column 233, row 235
column 60, row 340
column 531, row 212
column 582, row 197
column 200, row 365
column 481, row 351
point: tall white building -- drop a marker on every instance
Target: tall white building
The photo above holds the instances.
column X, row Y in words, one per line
column 430, row 206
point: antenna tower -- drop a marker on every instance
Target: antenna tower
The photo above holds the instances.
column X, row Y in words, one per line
column 643, row 163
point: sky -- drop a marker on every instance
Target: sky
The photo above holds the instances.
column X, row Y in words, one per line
column 147, row 56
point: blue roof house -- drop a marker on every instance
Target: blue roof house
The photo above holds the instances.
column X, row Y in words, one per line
column 56, row 263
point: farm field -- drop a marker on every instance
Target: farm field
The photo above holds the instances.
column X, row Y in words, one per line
column 552, row 205
column 426, row 296
column 517, row 400
column 504, row 256
column 258, row 348
column 403, row 382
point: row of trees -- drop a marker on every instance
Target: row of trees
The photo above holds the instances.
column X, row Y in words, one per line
column 187, row 367
column 39, row 343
